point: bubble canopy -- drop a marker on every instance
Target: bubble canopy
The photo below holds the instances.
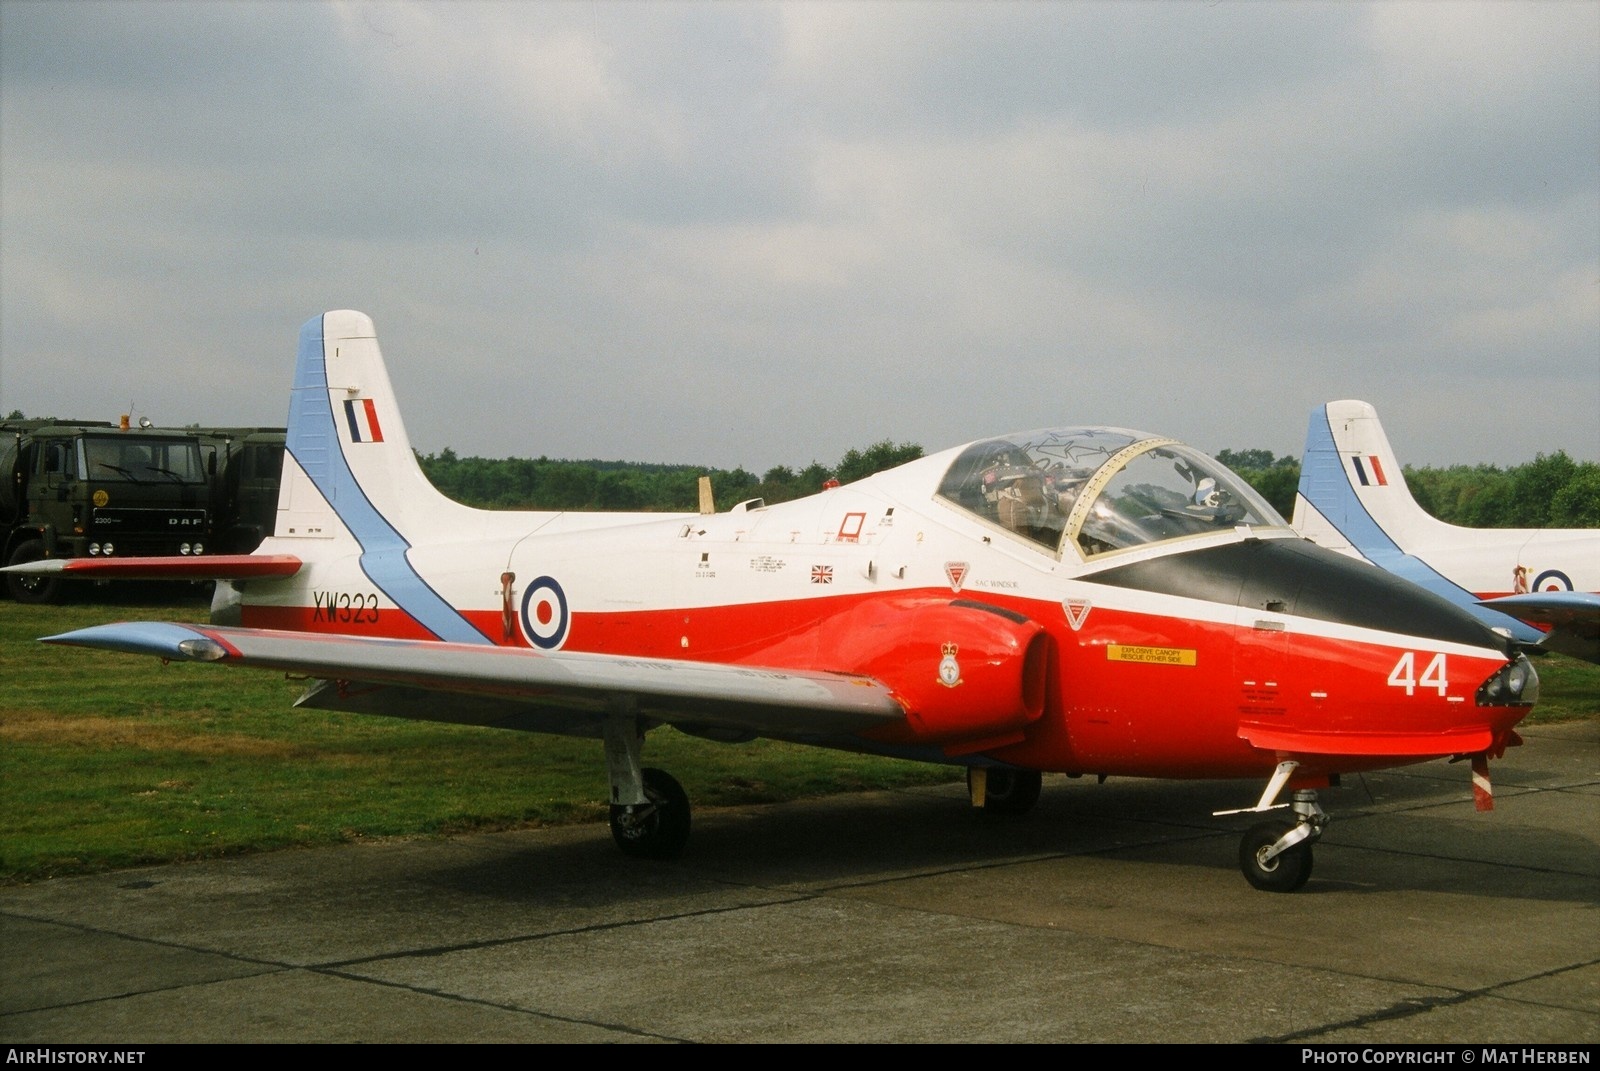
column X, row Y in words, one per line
column 1096, row 491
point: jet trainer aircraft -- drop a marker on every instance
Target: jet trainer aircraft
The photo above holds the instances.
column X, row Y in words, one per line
column 1083, row 600
column 1353, row 498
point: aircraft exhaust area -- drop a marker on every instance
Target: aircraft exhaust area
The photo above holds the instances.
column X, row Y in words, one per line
column 1111, row 913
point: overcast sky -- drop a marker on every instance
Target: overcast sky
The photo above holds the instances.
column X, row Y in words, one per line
column 759, row 234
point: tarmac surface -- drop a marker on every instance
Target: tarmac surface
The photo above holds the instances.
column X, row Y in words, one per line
column 1111, row 913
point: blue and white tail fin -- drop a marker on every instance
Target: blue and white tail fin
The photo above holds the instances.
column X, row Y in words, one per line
column 1353, row 498
column 1353, row 495
column 351, row 484
column 349, row 470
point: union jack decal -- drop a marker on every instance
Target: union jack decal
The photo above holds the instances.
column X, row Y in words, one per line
column 822, row 574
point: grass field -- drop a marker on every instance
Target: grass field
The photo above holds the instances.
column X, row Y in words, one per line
column 114, row 760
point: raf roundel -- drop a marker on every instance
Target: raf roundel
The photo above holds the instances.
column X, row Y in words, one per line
column 544, row 614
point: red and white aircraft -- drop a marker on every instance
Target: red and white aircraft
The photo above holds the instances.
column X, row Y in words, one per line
column 1083, row 600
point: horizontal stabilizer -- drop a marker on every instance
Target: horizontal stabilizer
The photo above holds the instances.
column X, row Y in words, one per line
column 212, row 567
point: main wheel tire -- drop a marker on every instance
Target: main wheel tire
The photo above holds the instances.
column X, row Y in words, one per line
column 1284, row 872
column 660, row 828
column 31, row 589
column 1009, row 792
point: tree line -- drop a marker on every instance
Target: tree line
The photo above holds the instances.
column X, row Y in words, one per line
column 544, row 483
column 1552, row 491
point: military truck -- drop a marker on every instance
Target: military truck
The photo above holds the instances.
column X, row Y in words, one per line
column 246, row 465
column 95, row 489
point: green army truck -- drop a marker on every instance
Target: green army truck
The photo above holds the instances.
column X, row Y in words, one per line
column 246, row 465
column 90, row 489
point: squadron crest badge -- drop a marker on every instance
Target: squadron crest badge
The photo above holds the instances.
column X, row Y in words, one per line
column 949, row 669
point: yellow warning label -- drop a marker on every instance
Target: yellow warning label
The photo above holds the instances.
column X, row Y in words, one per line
column 1166, row 656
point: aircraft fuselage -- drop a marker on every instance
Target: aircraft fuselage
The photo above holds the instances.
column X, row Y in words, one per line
column 1209, row 657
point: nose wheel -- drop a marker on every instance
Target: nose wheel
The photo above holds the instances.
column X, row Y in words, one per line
column 1270, row 867
column 1276, row 856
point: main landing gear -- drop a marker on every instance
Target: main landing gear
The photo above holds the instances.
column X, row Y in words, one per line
column 1003, row 791
column 1276, row 856
column 649, row 808
column 658, row 828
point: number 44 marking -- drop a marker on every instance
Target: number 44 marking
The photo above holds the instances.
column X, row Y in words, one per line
column 1404, row 674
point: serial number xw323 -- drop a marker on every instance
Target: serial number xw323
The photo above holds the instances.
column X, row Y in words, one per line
column 360, row 608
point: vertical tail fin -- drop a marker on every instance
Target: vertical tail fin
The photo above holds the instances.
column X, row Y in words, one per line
column 1352, row 495
column 350, row 479
column 1353, row 498
column 350, row 467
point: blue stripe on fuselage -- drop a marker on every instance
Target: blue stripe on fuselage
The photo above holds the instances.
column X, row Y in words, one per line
column 313, row 441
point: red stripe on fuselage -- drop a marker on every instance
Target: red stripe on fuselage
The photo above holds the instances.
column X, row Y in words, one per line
column 1173, row 707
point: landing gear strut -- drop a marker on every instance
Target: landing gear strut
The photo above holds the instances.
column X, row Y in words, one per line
column 1003, row 791
column 649, row 809
column 1276, row 856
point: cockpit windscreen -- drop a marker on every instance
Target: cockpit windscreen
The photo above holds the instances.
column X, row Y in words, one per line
column 1099, row 490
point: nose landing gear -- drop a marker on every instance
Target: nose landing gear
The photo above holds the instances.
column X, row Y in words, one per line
column 1276, row 856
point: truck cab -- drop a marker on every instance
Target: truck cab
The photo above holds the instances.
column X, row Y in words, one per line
column 94, row 489
column 245, row 466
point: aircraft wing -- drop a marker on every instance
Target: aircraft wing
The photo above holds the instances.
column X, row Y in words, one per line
column 1573, row 615
column 561, row 692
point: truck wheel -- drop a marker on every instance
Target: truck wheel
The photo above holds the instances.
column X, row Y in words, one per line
column 31, row 589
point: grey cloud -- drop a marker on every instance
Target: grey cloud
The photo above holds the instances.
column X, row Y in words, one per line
column 764, row 233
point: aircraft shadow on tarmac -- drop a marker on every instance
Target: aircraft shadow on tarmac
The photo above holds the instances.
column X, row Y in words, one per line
column 1399, row 830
